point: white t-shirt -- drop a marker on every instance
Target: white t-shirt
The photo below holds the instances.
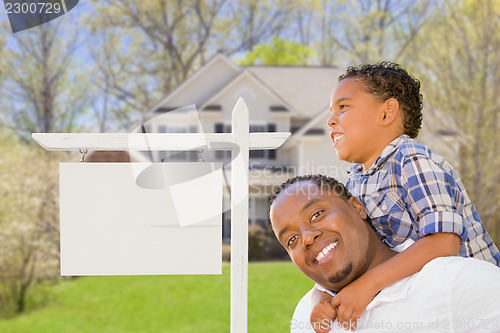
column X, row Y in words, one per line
column 449, row 294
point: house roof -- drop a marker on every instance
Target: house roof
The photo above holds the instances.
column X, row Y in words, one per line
column 247, row 74
column 319, row 119
column 195, row 76
column 306, row 89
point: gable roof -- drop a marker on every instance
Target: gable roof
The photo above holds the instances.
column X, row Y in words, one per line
column 247, row 74
column 219, row 58
column 306, row 89
column 315, row 121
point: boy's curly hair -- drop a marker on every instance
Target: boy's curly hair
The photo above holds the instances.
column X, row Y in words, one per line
column 387, row 80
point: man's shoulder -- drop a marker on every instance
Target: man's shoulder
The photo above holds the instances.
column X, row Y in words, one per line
column 459, row 269
column 443, row 277
column 456, row 262
column 470, row 287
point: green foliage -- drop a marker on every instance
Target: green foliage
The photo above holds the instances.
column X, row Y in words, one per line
column 263, row 245
column 46, row 91
column 181, row 304
column 350, row 32
column 143, row 50
column 458, row 63
column 29, row 223
column 279, row 52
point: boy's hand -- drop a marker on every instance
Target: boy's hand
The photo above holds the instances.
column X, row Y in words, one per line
column 322, row 315
column 352, row 301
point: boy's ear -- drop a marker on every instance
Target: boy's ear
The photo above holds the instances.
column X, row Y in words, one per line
column 391, row 111
column 358, row 206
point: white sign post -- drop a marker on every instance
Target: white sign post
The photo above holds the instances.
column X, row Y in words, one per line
column 240, row 141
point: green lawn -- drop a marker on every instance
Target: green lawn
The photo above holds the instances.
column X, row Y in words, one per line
column 166, row 303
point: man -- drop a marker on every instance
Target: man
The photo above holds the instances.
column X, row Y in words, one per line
column 324, row 230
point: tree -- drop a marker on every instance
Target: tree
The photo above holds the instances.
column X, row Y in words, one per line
column 361, row 31
column 246, row 23
column 460, row 70
column 29, row 228
column 39, row 81
column 278, row 52
column 143, row 51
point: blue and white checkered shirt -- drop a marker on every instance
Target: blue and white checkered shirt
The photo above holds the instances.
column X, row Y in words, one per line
column 410, row 192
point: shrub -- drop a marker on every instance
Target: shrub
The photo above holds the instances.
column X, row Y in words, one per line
column 263, row 245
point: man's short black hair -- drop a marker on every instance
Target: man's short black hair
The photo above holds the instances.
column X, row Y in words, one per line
column 322, row 181
column 387, row 80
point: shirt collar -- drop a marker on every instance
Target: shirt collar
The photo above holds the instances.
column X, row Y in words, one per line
column 357, row 169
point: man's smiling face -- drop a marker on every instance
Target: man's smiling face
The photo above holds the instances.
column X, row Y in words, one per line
column 325, row 235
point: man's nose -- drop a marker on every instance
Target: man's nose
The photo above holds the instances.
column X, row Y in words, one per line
column 310, row 236
column 333, row 120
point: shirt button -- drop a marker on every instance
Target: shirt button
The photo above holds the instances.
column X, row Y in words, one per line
column 384, row 207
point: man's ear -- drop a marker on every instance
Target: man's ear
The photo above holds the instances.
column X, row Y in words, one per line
column 358, row 206
column 391, row 111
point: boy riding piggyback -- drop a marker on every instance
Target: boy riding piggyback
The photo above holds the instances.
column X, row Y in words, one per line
column 409, row 192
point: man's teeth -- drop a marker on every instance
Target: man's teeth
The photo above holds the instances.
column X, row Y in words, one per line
column 325, row 251
column 337, row 137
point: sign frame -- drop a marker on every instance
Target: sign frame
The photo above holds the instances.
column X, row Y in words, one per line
column 239, row 141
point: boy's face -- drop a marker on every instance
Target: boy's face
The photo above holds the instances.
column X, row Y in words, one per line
column 324, row 235
column 354, row 121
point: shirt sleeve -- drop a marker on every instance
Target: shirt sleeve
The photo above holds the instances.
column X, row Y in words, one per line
column 432, row 196
column 300, row 320
column 475, row 297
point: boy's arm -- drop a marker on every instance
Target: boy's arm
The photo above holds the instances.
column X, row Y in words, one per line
column 322, row 311
column 435, row 199
column 353, row 299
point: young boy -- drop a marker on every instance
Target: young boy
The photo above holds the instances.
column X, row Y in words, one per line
column 409, row 192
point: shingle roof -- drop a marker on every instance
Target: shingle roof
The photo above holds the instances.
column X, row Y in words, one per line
column 306, row 89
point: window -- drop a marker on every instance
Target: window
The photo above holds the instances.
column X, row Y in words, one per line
column 176, row 129
column 263, row 154
column 261, row 210
column 222, row 128
column 271, row 154
column 178, row 156
column 213, row 107
column 257, row 128
column 166, row 109
column 222, row 154
column 219, row 128
column 278, row 108
column 258, row 210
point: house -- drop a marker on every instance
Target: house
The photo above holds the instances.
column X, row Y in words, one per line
column 280, row 98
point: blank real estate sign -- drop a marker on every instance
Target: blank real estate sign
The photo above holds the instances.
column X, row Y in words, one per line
column 141, row 218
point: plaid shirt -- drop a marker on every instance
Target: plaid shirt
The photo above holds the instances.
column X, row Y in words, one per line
column 410, row 192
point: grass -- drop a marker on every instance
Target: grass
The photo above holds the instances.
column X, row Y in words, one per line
column 166, row 303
